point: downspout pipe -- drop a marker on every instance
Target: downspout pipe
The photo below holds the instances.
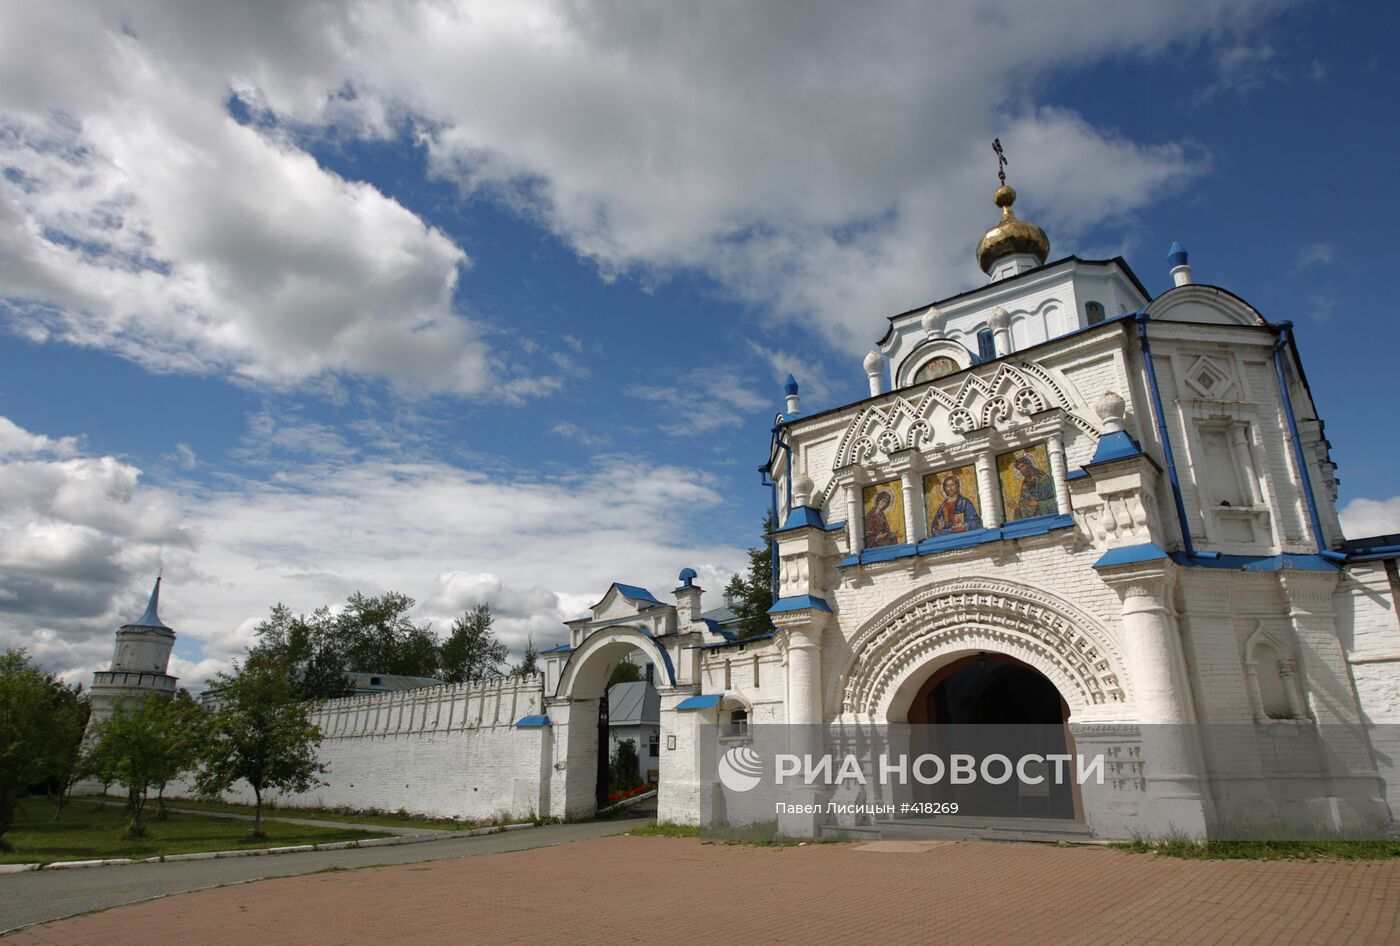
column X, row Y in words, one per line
column 1161, row 417
column 1285, row 340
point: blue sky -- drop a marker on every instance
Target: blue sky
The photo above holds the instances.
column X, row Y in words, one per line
column 494, row 303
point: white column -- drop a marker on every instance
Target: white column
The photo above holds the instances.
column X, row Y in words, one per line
column 1240, row 442
column 1001, row 330
column 1058, row 472
column 991, row 496
column 1169, row 745
column 855, row 521
column 914, row 519
column 874, row 365
column 804, row 675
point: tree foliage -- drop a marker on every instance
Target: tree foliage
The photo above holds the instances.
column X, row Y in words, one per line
column 146, row 744
column 529, row 661
column 261, row 733
column 624, row 769
column 471, row 652
column 370, row 634
column 32, row 731
column 625, row 672
column 753, row 593
column 69, row 760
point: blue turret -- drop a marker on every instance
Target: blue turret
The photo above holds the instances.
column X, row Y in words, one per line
column 790, row 392
column 687, row 577
column 1177, row 254
column 1181, row 269
column 151, row 618
column 790, row 386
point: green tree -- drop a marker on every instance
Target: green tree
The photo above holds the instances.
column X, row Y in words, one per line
column 753, row 593
column 69, row 761
column 624, row 769
column 529, row 661
column 26, row 744
column 181, row 729
column 471, row 652
column 309, row 647
column 132, row 748
column 261, row 733
column 625, row 672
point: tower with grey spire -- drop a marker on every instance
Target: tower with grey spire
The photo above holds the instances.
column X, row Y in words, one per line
column 140, row 660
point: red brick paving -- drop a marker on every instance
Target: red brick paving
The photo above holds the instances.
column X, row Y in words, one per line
column 679, row 891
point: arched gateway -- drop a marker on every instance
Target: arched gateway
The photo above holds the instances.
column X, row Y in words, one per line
column 895, row 652
column 578, row 711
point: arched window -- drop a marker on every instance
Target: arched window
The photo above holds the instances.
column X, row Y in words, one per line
column 1094, row 311
column 935, row 368
column 1273, row 680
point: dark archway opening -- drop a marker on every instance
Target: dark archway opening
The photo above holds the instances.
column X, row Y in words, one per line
column 985, row 704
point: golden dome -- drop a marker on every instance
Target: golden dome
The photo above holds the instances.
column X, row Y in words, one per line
column 1010, row 235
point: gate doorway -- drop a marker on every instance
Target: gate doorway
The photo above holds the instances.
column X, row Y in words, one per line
column 988, row 703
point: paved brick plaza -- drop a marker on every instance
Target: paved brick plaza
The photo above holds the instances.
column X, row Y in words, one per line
column 666, row 890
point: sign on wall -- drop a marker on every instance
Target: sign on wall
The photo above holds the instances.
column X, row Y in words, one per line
column 1027, row 488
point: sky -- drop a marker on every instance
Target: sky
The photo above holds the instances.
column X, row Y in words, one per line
column 492, row 302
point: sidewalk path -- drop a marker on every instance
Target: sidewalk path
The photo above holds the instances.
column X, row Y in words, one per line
column 45, row 895
column 678, row 891
column 272, row 814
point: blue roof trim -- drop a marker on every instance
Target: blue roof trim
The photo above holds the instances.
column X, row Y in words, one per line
column 800, row 603
column 559, row 649
column 1131, row 555
column 836, row 526
column 701, row 702
column 532, row 722
column 1077, row 474
column 1258, row 563
column 736, row 640
column 1116, row 446
column 636, row 592
column 1025, row 528
column 803, row 517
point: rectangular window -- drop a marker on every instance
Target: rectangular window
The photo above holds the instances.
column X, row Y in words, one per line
column 651, row 673
column 1027, row 486
column 986, row 345
column 654, row 745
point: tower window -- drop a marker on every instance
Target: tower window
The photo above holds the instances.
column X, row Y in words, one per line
column 1094, row 310
column 986, row 345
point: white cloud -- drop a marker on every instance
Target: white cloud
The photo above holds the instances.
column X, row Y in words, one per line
column 1317, row 254
column 15, row 441
column 827, row 164
column 703, row 400
column 1363, row 518
column 81, row 538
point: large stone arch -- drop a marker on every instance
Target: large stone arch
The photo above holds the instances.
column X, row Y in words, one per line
column 573, row 712
column 893, row 652
column 587, row 669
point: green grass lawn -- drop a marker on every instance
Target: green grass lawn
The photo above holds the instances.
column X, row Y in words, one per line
column 88, row 832
column 1328, row 849
column 392, row 819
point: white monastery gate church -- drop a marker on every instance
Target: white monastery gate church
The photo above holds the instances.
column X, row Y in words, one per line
column 1064, row 503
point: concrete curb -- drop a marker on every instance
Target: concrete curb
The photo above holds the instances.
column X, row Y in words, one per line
column 393, row 841
column 626, row 803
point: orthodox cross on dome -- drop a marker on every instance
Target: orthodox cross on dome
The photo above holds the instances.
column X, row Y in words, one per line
column 1001, row 160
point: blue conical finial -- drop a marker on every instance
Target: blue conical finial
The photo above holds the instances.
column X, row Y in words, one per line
column 790, row 386
column 1177, row 254
column 151, row 618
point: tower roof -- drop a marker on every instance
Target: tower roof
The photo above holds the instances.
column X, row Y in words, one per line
column 1010, row 235
column 151, row 618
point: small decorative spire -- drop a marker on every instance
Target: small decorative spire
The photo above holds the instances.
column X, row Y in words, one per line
column 151, row 618
column 1011, row 235
column 790, row 395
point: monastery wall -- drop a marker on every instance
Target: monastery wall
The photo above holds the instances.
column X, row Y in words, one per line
column 446, row 751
